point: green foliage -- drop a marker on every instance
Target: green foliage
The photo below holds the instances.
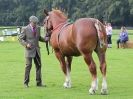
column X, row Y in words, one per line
column 118, row 12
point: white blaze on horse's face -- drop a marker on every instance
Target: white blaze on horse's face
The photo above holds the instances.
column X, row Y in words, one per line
column 47, row 17
column 46, row 21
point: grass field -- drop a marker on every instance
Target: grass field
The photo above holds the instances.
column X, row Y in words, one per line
column 12, row 64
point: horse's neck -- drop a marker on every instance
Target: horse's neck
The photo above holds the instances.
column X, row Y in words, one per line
column 58, row 21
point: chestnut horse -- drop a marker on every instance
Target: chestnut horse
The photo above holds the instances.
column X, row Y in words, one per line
column 82, row 37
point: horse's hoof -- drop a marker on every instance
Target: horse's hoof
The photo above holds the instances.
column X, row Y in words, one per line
column 104, row 91
column 92, row 91
column 67, row 85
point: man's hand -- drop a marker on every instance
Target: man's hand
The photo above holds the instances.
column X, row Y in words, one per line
column 29, row 46
column 47, row 39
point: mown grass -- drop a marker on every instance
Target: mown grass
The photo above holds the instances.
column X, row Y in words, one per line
column 12, row 64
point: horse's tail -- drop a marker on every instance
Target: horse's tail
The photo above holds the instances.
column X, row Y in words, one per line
column 100, row 34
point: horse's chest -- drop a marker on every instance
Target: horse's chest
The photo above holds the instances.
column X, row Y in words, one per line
column 54, row 41
column 65, row 43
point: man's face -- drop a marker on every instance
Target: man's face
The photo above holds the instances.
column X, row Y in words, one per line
column 34, row 24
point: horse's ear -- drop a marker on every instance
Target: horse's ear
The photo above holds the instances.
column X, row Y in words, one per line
column 45, row 12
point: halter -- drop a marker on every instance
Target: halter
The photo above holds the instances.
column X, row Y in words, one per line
column 59, row 26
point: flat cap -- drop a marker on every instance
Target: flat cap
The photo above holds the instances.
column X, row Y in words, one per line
column 33, row 19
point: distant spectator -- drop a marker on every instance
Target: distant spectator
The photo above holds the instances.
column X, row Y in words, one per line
column 19, row 29
column 109, row 34
column 123, row 37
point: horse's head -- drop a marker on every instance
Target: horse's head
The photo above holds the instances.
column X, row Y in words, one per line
column 48, row 24
column 53, row 19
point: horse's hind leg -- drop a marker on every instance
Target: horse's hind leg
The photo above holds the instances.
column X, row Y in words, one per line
column 92, row 67
column 102, row 60
column 65, row 68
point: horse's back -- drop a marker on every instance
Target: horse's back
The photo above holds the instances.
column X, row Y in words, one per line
column 84, row 26
column 86, row 33
column 79, row 37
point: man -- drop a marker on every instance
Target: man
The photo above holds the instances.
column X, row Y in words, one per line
column 109, row 35
column 29, row 38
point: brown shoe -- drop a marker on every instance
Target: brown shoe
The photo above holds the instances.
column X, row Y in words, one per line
column 41, row 85
column 26, row 85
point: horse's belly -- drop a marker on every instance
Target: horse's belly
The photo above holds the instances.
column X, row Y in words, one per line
column 71, row 54
column 69, row 51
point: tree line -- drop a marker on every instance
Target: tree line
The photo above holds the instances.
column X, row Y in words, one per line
column 117, row 12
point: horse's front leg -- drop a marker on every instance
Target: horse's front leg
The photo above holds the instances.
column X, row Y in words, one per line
column 67, row 83
column 65, row 68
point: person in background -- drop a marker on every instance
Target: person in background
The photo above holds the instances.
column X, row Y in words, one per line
column 29, row 38
column 109, row 34
column 123, row 37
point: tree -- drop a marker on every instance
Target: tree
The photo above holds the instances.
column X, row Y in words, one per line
column 118, row 12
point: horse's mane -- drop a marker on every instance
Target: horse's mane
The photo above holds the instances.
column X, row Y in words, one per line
column 59, row 13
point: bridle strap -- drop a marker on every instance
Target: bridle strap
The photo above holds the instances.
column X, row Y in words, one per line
column 59, row 26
